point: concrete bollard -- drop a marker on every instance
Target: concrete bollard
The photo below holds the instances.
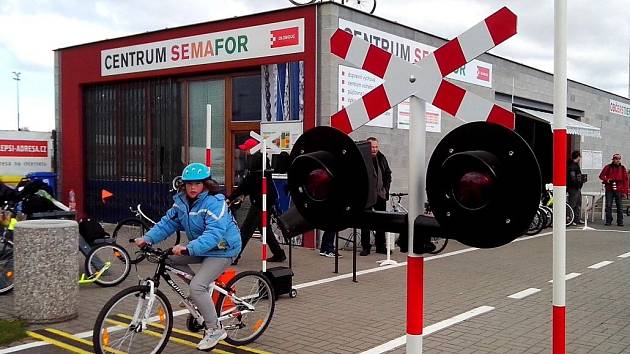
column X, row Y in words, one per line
column 46, row 266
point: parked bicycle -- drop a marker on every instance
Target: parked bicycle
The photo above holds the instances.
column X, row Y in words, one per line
column 139, row 319
column 6, row 251
column 395, row 200
column 364, row 5
column 137, row 225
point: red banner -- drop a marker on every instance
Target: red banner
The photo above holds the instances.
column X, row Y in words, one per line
column 23, row 148
column 285, row 37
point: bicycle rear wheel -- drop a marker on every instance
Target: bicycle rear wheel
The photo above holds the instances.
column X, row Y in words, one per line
column 119, row 264
column 130, row 229
column 255, row 289
column 440, row 244
column 6, row 267
column 119, row 325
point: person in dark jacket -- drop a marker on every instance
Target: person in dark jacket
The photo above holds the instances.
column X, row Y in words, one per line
column 251, row 186
column 574, row 185
column 383, row 176
column 614, row 176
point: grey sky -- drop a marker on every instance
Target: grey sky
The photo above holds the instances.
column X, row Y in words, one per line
column 598, row 49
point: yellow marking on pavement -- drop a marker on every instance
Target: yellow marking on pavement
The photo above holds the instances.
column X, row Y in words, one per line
column 57, row 343
column 81, row 340
column 197, row 335
column 159, row 335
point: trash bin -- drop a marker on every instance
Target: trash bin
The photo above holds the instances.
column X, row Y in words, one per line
column 49, row 178
column 46, row 256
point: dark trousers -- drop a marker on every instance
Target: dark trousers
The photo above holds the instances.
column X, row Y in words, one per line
column 616, row 196
column 575, row 202
column 379, row 236
column 328, row 242
column 251, row 224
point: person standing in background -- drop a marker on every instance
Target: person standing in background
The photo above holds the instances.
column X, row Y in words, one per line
column 383, row 176
column 614, row 176
column 575, row 180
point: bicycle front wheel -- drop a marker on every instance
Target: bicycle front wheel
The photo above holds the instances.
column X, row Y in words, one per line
column 6, row 267
column 126, row 325
column 302, row 2
column 363, row 5
column 570, row 215
column 254, row 289
column 130, row 229
column 112, row 256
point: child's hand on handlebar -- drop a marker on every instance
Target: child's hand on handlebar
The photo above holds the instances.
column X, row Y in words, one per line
column 140, row 242
column 180, row 250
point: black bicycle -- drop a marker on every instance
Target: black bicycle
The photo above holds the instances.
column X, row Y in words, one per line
column 139, row 319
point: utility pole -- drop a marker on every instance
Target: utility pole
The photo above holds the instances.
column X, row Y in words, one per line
column 17, row 86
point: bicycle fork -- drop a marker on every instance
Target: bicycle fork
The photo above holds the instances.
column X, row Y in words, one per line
column 139, row 321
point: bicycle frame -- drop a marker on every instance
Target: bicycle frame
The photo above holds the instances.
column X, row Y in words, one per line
column 162, row 272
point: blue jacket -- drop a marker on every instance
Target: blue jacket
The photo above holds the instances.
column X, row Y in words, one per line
column 209, row 226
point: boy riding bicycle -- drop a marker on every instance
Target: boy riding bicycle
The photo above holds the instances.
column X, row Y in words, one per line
column 214, row 240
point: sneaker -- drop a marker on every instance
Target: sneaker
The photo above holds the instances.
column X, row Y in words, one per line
column 620, row 224
column 322, row 253
column 277, row 258
column 364, row 253
column 607, row 224
column 211, row 338
column 332, row 255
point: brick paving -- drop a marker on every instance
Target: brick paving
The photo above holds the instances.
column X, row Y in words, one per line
column 346, row 317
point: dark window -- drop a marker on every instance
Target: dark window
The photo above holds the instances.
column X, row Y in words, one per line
column 246, row 98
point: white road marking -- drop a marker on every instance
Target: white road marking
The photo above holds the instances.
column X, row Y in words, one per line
column 400, row 341
column 568, row 276
column 523, row 294
column 625, row 255
column 599, row 265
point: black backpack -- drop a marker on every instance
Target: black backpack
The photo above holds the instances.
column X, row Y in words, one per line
column 91, row 230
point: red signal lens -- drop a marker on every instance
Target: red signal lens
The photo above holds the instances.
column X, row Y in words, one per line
column 474, row 189
column 318, row 184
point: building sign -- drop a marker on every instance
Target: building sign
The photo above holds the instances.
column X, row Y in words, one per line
column 270, row 39
column 619, row 108
column 24, row 152
column 288, row 132
column 475, row 72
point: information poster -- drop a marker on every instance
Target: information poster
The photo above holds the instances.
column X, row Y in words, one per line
column 432, row 115
column 354, row 83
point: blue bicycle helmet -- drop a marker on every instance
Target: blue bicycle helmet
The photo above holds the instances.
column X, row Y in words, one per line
column 196, row 172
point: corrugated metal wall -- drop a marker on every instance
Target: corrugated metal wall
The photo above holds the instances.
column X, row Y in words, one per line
column 133, row 144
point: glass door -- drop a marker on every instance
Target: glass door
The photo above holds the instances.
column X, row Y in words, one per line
column 207, row 99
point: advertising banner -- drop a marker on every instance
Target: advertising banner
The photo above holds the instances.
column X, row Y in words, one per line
column 24, row 152
column 278, row 38
column 475, row 72
column 620, row 108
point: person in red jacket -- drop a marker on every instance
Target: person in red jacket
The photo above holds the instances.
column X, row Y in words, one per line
column 615, row 177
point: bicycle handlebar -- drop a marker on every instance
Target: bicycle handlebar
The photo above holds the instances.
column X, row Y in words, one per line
column 398, row 194
column 153, row 251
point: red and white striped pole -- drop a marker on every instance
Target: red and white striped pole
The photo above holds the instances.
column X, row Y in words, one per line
column 209, row 135
column 263, row 214
column 415, row 262
column 559, row 176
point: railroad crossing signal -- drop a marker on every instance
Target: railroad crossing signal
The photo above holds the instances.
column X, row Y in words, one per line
column 471, row 173
column 426, row 78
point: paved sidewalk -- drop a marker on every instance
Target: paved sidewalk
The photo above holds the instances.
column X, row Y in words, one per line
column 345, row 317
